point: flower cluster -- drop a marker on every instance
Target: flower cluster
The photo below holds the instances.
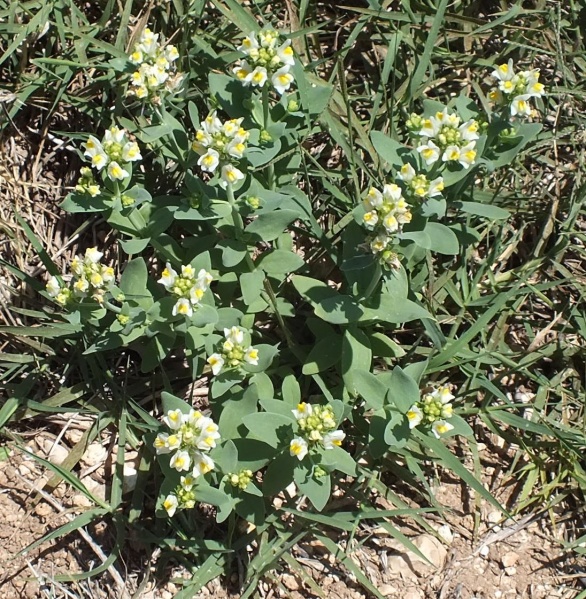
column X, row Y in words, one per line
column 188, row 287
column 86, row 183
column 241, row 480
column 191, row 437
column 418, row 185
column 113, row 153
column 433, row 409
column 219, row 144
column 156, row 71
column 514, row 90
column 317, row 425
column 90, row 279
column 386, row 213
column 445, row 138
column 234, row 352
column 266, row 59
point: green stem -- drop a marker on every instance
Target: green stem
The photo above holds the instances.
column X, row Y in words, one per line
column 112, row 307
column 266, row 116
column 239, row 227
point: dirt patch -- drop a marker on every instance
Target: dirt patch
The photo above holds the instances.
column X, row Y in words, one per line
column 511, row 559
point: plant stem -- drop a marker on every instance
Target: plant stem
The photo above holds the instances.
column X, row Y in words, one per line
column 239, row 227
column 266, row 116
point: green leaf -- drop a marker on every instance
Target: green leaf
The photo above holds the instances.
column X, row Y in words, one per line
column 338, row 459
column 272, row 429
column 486, row 210
column 237, row 405
column 278, row 406
column 328, row 304
column 251, row 284
column 280, row 262
column 442, row 239
column 326, row 352
column 269, row 226
column 134, row 278
column 370, row 388
column 222, row 383
column 397, row 431
column 290, row 390
column 279, row 474
column 390, row 150
column 233, row 252
column 317, row 490
column 356, row 354
column 226, row 456
column 403, row 391
column 387, row 308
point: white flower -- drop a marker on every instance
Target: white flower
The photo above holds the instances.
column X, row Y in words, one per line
column 100, row 160
column 298, row 448
column 504, row 72
column 249, row 43
column 131, row 152
column 161, row 443
column 187, row 482
column 468, row 154
column 81, row 287
column 168, row 277
column 440, row 427
column 370, row 219
column 285, row 53
column 243, row 72
column 333, row 439
column 116, row 172
column 235, row 335
column 414, row 416
column 230, row 175
column 407, row 173
column 251, row 356
column 195, row 294
column 520, row 106
column 174, row 441
column 258, row 77
column 390, row 223
column 181, row 461
column 209, row 161
column 429, row 152
column 507, row 86
column 303, row 411
column 202, row 464
column 170, row 505
column 379, row 243
column 183, row 307
column 373, row 199
column 92, row 147
column 236, row 148
column 173, row 419
column 391, row 191
column 216, row 362
column 282, row 79
column 435, row 187
column 443, row 394
column 53, row 287
column 430, row 127
column 469, row 130
column 204, row 278
column 451, row 153
column 114, row 135
column 209, row 434
column 92, row 256
column 212, row 124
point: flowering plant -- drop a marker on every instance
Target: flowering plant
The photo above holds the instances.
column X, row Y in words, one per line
column 273, row 292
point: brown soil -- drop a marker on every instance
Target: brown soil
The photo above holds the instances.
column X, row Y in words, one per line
column 516, row 559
